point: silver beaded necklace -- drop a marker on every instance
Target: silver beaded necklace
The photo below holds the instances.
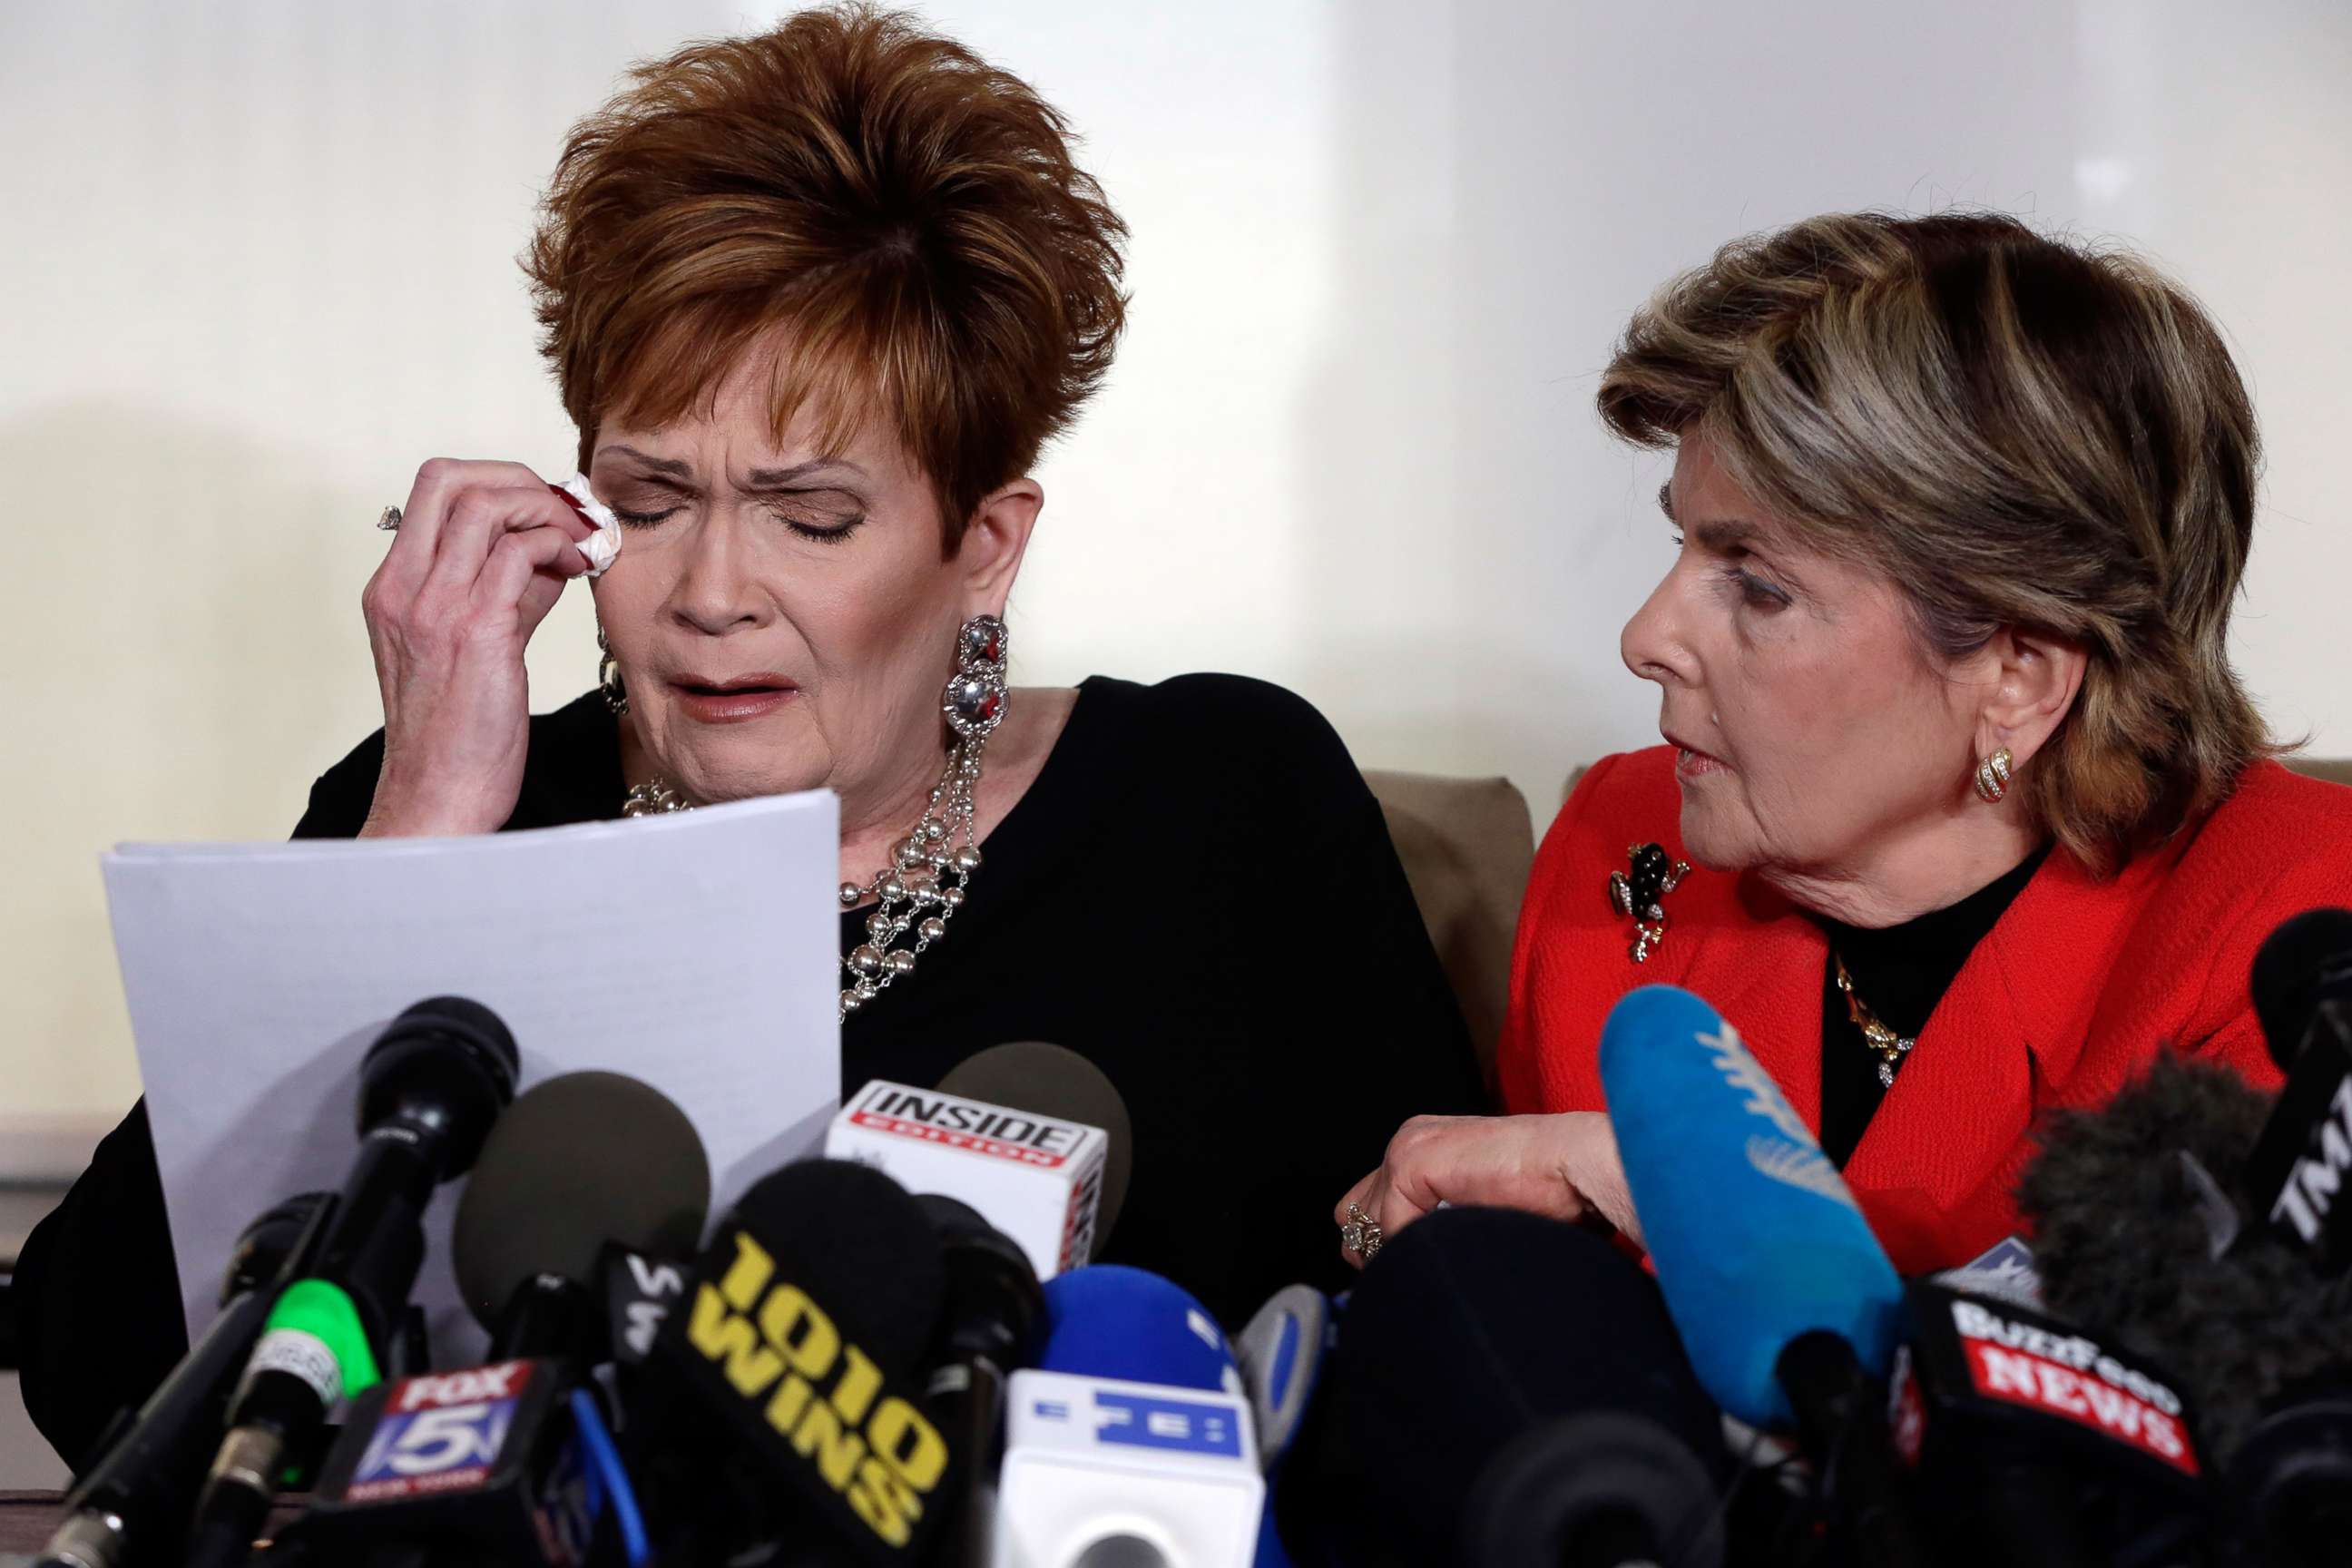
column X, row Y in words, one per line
column 930, row 869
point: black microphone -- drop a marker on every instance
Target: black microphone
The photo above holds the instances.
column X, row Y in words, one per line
column 988, row 1328
column 582, row 1161
column 1512, row 1390
column 2140, row 1213
column 491, row 1461
column 784, row 1414
column 2302, row 987
column 1055, row 1082
column 430, row 1087
column 131, row 1507
column 2035, row 1444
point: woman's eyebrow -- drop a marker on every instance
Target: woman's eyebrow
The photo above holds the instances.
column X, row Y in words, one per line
column 674, row 467
column 778, row 478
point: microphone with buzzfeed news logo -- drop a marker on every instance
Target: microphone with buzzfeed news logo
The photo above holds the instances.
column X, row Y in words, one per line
column 2035, row 1444
column 783, row 1405
column 1129, row 1442
column 131, row 1507
column 431, row 1087
column 1788, row 1305
column 1034, row 1176
column 494, row 1461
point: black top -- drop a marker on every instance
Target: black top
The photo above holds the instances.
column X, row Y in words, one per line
column 1198, row 894
column 1901, row 972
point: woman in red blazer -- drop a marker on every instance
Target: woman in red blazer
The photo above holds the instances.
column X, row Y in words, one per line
column 1962, row 813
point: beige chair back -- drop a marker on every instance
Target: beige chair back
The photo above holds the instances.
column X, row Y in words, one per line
column 1466, row 845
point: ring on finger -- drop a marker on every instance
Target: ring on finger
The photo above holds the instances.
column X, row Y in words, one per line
column 390, row 520
column 1361, row 1233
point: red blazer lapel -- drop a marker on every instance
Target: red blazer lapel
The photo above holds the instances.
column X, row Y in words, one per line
column 1950, row 1133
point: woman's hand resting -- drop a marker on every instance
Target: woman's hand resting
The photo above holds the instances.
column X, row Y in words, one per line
column 482, row 554
column 1564, row 1165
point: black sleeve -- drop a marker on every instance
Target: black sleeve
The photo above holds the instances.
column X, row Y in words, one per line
column 98, row 1297
column 1352, row 1025
column 97, row 1291
column 343, row 795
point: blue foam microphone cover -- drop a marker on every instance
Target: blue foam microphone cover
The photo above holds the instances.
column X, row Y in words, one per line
column 1754, row 1236
column 1110, row 1321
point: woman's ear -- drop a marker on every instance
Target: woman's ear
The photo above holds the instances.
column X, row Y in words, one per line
column 2035, row 679
column 994, row 539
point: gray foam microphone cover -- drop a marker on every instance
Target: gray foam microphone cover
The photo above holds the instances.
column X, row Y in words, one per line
column 578, row 1161
column 1056, row 1081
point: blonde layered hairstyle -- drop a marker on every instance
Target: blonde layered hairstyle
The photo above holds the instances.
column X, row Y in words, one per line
column 2020, row 432
column 896, row 227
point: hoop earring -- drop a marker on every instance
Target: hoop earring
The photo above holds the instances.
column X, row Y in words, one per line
column 608, row 675
column 1992, row 776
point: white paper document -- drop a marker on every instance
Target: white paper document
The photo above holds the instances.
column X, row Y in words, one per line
column 698, row 952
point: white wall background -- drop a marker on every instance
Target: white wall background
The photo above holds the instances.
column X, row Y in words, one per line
column 256, row 263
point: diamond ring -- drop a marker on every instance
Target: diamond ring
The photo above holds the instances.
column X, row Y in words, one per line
column 390, row 520
column 1361, row 1233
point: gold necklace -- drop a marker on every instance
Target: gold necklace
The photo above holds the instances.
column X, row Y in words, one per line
column 1891, row 1047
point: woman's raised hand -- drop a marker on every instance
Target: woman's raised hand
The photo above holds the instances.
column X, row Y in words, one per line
column 482, row 554
column 1564, row 1165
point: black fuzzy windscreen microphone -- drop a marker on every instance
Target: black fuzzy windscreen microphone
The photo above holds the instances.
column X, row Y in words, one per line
column 2129, row 1240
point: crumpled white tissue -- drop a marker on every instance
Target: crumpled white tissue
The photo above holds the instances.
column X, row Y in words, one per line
column 603, row 547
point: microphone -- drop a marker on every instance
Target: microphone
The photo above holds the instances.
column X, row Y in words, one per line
column 795, row 1369
column 131, row 1507
column 2301, row 987
column 490, row 1459
column 1056, row 1082
column 1787, row 1303
column 1512, row 1389
column 1028, row 1159
column 430, row 1087
column 2139, row 1212
column 993, row 1309
column 581, row 1162
column 2037, row 1444
column 1129, row 1441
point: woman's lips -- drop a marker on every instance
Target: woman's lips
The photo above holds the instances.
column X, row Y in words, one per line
column 733, row 702
column 1691, row 764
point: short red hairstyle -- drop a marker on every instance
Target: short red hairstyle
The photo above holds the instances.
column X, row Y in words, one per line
column 897, row 222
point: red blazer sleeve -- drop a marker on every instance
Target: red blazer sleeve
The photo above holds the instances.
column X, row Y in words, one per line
column 1534, row 1072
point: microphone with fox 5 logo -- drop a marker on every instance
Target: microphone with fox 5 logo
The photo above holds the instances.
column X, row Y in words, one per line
column 2035, row 1444
column 131, row 1507
column 1788, row 1305
column 1129, row 1442
column 431, row 1087
column 785, row 1400
column 488, row 1461
column 1035, row 1177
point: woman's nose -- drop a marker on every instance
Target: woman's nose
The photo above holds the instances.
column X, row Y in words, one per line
column 714, row 593
column 1653, row 645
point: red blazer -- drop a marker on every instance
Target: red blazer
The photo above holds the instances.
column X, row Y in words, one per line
column 2074, row 989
